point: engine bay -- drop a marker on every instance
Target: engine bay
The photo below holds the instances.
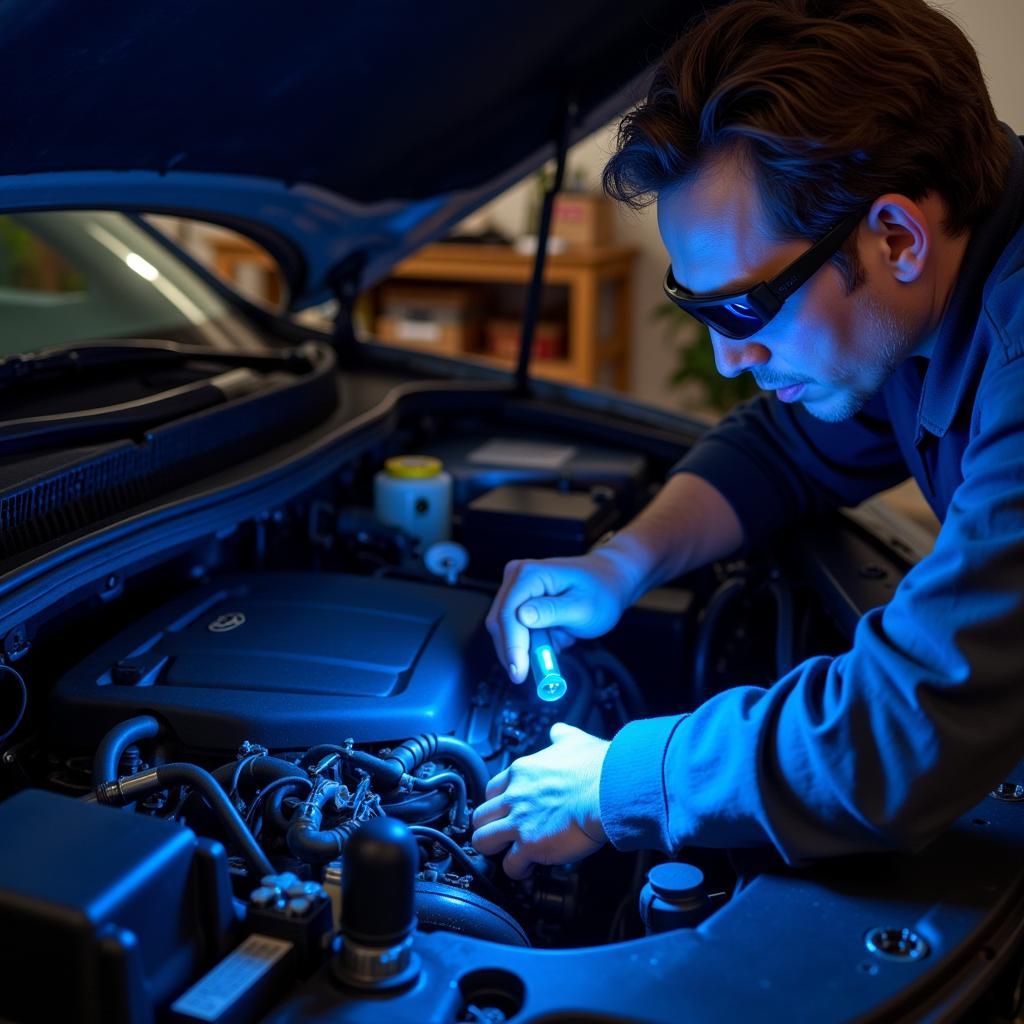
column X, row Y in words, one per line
column 259, row 699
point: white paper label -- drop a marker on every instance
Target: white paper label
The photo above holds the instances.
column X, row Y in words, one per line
column 418, row 330
column 214, row 993
column 525, row 454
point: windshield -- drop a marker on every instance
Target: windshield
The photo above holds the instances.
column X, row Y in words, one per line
column 69, row 277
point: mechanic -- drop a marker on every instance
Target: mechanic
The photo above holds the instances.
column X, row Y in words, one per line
column 856, row 137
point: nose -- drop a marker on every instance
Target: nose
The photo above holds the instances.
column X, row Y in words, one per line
column 735, row 357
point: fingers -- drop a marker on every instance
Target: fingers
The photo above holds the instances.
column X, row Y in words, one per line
column 497, row 785
column 517, row 862
column 511, row 638
column 559, row 610
column 494, row 836
column 561, row 731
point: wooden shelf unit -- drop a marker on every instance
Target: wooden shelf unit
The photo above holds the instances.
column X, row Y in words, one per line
column 599, row 284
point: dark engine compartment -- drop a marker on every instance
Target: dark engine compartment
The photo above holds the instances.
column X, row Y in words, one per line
column 252, row 698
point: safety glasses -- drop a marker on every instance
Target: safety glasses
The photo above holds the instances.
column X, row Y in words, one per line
column 738, row 315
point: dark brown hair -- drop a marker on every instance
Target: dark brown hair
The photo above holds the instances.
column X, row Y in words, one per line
column 833, row 102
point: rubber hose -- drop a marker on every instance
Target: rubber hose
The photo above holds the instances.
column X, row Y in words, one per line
column 123, row 791
column 305, row 838
column 418, row 808
column 456, row 781
column 112, row 746
column 274, row 811
column 283, row 787
column 469, row 762
column 383, row 772
column 414, row 752
column 312, row 846
column 260, row 771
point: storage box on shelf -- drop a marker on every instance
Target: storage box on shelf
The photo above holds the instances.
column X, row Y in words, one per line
column 443, row 319
column 588, row 344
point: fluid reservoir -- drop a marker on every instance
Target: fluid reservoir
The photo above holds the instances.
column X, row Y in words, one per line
column 414, row 493
column 674, row 897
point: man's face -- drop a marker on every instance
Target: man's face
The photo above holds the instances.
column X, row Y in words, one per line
column 829, row 350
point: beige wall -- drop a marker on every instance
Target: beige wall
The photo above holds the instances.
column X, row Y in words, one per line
column 997, row 29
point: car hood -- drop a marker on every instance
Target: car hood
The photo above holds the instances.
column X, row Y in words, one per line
column 337, row 134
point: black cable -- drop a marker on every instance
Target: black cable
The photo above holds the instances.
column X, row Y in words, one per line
column 719, row 602
column 125, row 790
column 21, row 700
column 271, row 788
column 459, row 854
column 602, row 658
column 237, row 773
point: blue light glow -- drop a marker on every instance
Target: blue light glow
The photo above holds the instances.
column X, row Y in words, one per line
column 544, row 666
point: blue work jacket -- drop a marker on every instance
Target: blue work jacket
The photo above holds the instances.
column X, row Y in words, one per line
column 885, row 745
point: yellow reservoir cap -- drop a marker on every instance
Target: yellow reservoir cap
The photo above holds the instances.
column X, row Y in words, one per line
column 413, row 467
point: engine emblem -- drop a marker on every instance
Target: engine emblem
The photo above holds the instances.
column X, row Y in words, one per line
column 226, row 622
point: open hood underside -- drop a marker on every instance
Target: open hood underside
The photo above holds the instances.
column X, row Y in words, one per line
column 324, row 130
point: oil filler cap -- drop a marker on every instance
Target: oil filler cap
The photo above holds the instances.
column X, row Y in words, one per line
column 676, row 882
column 673, row 897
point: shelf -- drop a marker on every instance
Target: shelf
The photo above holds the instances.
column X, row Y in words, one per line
column 598, row 281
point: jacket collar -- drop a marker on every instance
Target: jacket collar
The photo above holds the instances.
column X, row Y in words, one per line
column 953, row 360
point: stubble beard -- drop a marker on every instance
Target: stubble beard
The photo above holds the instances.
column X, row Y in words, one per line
column 891, row 343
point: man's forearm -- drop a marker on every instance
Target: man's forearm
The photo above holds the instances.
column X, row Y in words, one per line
column 688, row 524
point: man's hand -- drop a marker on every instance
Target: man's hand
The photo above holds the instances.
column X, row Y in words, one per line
column 545, row 805
column 580, row 597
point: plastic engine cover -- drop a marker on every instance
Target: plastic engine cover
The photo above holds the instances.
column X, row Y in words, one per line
column 288, row 660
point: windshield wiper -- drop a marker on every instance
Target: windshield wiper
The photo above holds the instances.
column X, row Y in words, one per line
column 127, row 419
column 144, row 352
column 130, row 419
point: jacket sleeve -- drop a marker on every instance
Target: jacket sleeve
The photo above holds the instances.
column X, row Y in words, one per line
column 885, row 745
column 776, row 464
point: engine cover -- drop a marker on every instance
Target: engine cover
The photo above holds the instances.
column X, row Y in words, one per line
column 288, row 660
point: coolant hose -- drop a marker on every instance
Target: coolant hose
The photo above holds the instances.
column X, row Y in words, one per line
column 305, row 839
column 125, row 790
column 260, row 770
column 386, row 774
column 113, row 745
column 457, row 783
column 412, row 753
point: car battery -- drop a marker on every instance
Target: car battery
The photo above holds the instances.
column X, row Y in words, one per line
column 533, row 522
column 478, row 466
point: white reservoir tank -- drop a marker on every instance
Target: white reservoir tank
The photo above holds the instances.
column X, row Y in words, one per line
column 414, row 493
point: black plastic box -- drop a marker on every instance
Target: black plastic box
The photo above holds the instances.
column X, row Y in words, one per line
column 117, row 912
column 532, row 522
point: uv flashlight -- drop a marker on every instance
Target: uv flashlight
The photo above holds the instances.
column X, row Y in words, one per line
column 544, row 666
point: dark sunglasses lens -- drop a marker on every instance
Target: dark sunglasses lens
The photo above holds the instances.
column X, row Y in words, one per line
column 733, row 319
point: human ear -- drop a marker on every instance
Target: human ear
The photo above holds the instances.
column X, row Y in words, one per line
column 900, row 235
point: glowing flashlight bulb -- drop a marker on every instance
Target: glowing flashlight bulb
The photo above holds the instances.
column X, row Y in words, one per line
column 544, row 666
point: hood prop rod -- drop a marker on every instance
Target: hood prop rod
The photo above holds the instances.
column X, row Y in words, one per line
column 533, row 294
column 345, row 283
